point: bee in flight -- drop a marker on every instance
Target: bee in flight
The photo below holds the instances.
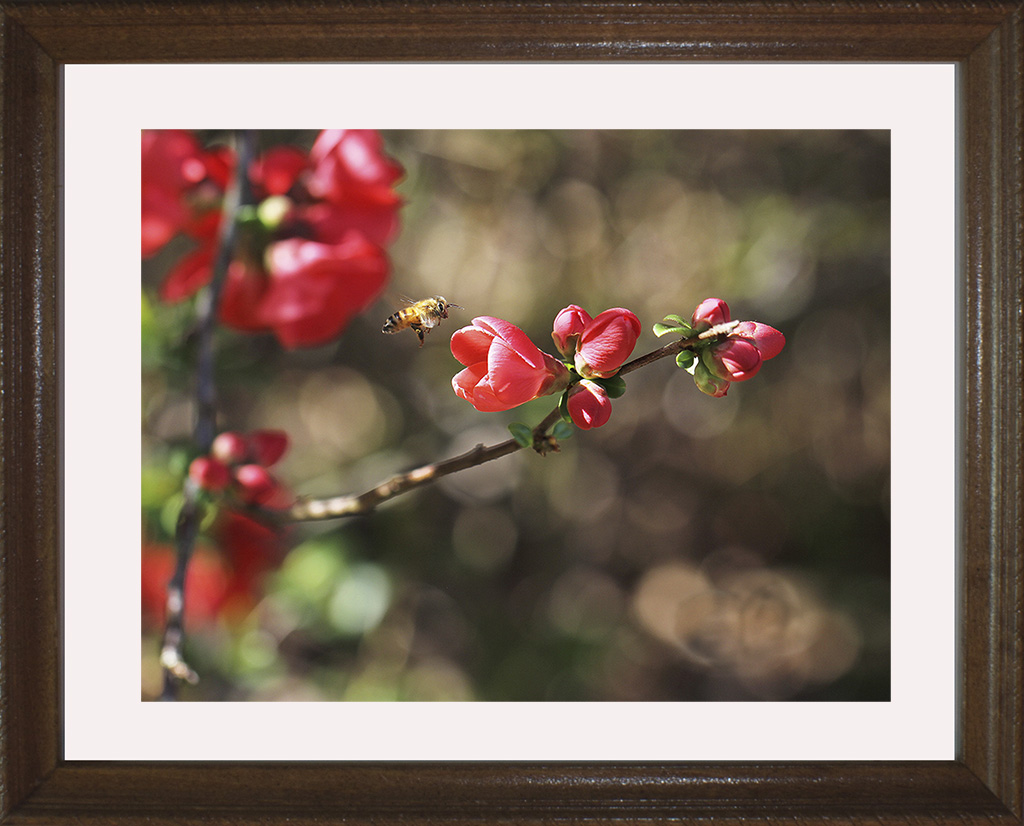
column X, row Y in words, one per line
column 419, row 316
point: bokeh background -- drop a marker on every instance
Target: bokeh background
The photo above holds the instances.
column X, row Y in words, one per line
column 692, row 549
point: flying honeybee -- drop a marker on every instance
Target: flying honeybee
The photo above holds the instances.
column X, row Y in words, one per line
column 419, row 316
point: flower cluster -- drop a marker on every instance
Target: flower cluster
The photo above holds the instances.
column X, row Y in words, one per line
column 239, row 463
column 310, row 255
column 725, row 350
column 223, row 583
column 598, row 347
column 504, row 368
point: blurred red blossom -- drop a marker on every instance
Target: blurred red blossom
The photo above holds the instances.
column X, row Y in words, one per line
column 182, row 187
column 224, row 584
column 314, row 258
column 239, row 463
column 206, row 584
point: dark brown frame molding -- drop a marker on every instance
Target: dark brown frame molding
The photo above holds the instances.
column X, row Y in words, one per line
column 982, row 785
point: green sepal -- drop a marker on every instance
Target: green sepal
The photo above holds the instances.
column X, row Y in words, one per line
column 521, row 433
column 706, row 381
column 562, row 431
column 685, row 359
column 614, row 386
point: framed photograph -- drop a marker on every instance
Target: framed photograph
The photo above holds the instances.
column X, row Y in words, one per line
column 890, row 90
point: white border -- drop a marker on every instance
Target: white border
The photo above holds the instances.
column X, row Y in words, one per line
column 107, row 105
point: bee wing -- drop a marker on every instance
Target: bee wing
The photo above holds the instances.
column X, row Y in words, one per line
column 429, row 320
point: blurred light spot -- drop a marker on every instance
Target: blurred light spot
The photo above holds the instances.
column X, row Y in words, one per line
column 694, row 414
column 585, row 488
column 763, row 629
column 438, row 680
column 577, row 222
column 658, row 507
column 585, row 603
column 360, row 601
column 661, row 592
column 484, row 537
column 341, row 413
column 311, row 569
column 829, row 347
column 256, row 651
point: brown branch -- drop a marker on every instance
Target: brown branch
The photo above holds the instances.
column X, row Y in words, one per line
column 172, row 644
column 310, row 510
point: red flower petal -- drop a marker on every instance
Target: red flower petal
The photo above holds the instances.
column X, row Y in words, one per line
column 189, row 275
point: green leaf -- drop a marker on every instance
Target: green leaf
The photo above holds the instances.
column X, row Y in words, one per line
column 673, row 324
column 521, row 433
column 562, row 431
column 614, row 386
column 664, row 330
column 685, row 359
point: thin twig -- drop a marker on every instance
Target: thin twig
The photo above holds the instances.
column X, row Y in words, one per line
column 187, row 529
column 311, row 510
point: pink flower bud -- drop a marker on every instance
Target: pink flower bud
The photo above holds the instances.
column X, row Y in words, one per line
column 569, row 325
column 589, row 405
column 768, row 341
column 504, row 369
column 709, row 312
column 734, row 359
column 606, row 343
column 210, row 474
column 229, row 447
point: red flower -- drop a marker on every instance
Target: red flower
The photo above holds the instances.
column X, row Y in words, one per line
column 315, row 289
column 263, row 447
column 255, row 485
column 504, row 369
column 240, row 463
column 316, row 259
column 353, row 179
column 182, row 186
column 209, row 473
column 277, row 170
column 589, row 405
column 252, row 550
column 206, row 585
column 606, row 343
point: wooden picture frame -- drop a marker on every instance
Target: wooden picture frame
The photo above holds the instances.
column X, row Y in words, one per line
column 982, row 785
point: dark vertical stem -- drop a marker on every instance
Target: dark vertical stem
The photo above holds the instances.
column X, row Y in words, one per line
column 187, row 528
